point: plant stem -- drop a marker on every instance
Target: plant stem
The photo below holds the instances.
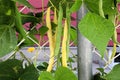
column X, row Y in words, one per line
column 23, row 56
column 101, row 12
column 52, row 4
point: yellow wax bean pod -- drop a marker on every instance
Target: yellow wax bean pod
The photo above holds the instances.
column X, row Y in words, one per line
column 55, row 16
column 56, row 22
column 50, row 37
column 64, row 45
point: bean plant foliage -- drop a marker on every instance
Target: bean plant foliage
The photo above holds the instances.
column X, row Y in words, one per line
column 8, row 21
column 60, row 74
column 11, row 24
column 98, row 26
column 97, row 29
column 12, row 69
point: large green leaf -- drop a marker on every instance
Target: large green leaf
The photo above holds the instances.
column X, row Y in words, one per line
column 25, row 2
column 63, row 73
column 114, row 74
column 8, row 40
column 97, row 29
column 10, row 69
column 46, row 76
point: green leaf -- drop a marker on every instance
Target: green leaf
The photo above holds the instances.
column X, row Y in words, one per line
column 97, row 29
column 63, row 73
column 118, row 0
column 98, row 77
column 53, row 27
column 39, row 14
column 93, row 5
column 7, row 9
column 43, row 30
column 33, row 31
column 76, row 6
column 30, row 73
column 73, row 34
column 46, row 76
column 25, row 2
column 8, row 40
column 114, row 74
column 10, row 69
column 7, row 20
column 28, row 18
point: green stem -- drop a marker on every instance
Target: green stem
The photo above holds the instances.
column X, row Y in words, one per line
column 53, row 5
column 18, row 22
column 23, row 56
column 101, row 12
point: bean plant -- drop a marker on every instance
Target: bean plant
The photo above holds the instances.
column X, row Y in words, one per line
column 99, row 25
